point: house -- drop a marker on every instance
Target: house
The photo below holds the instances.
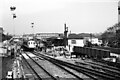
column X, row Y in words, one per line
column 74, row 40
column 93, row 40
column 80, row 40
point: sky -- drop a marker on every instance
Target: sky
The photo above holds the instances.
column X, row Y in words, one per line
column 49, row 16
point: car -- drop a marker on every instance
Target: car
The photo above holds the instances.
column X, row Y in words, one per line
column 9, row 75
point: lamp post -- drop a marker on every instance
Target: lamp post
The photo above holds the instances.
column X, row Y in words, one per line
column 32, row 28
column 13, row 8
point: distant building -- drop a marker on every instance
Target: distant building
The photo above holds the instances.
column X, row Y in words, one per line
column 48, row 35
column 74, row 40
column 80, row 40
column 93, row 40
column 28, row 36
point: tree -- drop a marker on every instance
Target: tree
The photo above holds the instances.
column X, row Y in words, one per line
column 118, row 38
column 112, row 36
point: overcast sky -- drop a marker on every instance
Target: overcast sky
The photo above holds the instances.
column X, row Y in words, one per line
column 50, row 15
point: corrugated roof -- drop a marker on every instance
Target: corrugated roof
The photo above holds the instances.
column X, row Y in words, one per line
column 74, row 36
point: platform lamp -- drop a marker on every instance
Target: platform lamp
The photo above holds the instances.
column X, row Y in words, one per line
column 13, row 8
column 32, row 28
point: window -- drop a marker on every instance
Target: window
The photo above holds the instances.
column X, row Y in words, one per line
column 28, row 42
column 73, row 41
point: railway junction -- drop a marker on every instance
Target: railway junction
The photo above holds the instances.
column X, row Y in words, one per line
column 33, row 45
column 57, row 63
column 53, row 58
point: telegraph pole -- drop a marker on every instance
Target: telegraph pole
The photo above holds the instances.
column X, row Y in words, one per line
column 65, row 35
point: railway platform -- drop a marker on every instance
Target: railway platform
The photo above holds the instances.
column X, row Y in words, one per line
column 6, row 66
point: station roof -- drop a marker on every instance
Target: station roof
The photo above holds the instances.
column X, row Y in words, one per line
column 79, row 36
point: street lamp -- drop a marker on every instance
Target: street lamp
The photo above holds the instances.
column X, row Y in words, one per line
column 32, row 27
column 14, row 16
column 13, row 8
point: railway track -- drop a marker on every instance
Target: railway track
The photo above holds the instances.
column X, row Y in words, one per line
column 104, row 65
column 73, row 72
column 58, row 65
column 35, row 73
column 81, row 68
column 39, row 69
column 107, row 69
column 28, row 67
column 113, row 64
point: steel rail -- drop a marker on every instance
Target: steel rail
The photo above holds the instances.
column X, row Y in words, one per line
column 87, row 74
column 103, row 68
column 28, row 68
column 42, row 68
column 110, row 67
column 32, row 68
column 113, row 64
column 83, row 69
column 60, row 66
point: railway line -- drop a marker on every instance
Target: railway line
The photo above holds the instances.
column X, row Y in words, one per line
column 108, row 73
column 113, row 64
column 35, row 74
column 106, row 69
column 30, row 72
column 82, row 69
column 56, row 64
column 34, row 66
column 104, row 65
